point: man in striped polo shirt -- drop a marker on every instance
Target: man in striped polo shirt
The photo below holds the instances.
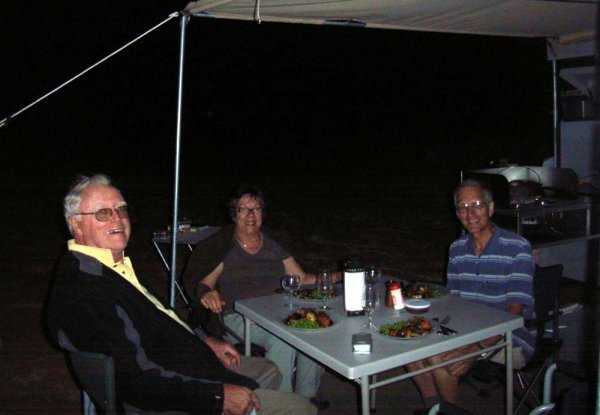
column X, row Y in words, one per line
column 491, row 266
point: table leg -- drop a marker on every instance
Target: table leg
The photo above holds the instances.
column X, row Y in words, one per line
column 248, row 345
column 373, row 395
column 168, row 268
column 509, row 374
column 162, row 257
column 364, row 394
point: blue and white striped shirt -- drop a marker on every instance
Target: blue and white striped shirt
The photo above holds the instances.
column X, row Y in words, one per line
column 501, row 275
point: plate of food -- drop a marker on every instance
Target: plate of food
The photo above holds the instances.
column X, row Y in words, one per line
column 310, row 319
column 418, row 290
column 313, row 295
column 398, row 329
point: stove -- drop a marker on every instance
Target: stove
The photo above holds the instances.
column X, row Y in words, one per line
column 527, row 186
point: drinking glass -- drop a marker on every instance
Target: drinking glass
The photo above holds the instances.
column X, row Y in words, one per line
column 372, row 275
column 324, row 286
column 290, row 284
column 370, row 302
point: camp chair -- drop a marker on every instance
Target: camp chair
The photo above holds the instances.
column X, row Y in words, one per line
column 447, row 408
column 95, row 373
column 546, row 289
column 485, row 375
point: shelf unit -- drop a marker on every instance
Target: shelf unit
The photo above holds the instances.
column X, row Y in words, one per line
column 559, row 232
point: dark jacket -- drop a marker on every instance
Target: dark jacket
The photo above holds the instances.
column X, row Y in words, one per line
column 159, row 365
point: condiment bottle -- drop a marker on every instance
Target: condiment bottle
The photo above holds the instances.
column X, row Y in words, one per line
column 389, row 301
column 396, row 296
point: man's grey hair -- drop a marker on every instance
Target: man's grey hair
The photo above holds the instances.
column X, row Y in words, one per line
column 73, row 198
column 473, row 183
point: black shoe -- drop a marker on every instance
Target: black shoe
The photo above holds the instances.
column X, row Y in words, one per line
column 319, row 402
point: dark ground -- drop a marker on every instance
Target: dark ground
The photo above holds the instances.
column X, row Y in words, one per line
column 400, row 222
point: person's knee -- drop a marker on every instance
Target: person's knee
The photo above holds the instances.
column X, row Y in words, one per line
column 280, row 352
column 272, row 375
column 420, row 364
column 274, row 343
column 433, row 360
column 283, row 403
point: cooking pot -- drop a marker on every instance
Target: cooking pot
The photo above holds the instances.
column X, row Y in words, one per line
column 523, row 192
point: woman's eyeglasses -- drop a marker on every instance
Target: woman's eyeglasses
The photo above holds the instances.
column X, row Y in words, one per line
column 105, row 214
column 246, row 210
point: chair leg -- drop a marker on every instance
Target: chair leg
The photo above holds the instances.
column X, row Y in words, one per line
column 540, row 372
column 548, row 383
column 522, row 381
column 88, row 406
column 542, row 409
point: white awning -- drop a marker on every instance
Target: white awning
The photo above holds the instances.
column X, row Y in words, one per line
column 522, row 18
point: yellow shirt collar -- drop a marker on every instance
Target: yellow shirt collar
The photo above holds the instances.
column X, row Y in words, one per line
column 103, row 255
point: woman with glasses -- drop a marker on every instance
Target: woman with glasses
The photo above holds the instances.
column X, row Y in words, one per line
column 246, row 260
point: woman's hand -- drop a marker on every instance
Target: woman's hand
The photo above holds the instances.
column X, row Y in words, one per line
column 226, row 353
column 213, row 300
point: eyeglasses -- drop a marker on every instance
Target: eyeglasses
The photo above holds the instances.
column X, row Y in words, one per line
column 476, row 206
column 105, row 214
column 246, row 210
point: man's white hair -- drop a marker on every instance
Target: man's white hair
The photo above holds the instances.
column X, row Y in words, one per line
column 487, row 193
column 73, row 198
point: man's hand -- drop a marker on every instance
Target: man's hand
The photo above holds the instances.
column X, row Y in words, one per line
column 239, row 400
column 213, row 300
column 225, row 352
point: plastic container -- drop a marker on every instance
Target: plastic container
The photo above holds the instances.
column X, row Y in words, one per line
column 417, row 306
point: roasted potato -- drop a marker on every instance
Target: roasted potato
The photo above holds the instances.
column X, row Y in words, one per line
column 311, row 315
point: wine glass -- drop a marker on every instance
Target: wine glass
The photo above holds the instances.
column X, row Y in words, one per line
column 370, row 302
column 290, row 284
column 372, row 275
column 324, row 286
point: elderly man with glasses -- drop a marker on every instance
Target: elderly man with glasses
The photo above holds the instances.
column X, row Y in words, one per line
column 488, row 265
column 161, row 364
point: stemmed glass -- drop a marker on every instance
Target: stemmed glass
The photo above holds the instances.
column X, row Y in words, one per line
column 370, row 302
column 324, row 286
column 290, row 284
column 372, row 275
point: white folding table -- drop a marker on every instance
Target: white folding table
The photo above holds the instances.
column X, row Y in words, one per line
column 332, row 346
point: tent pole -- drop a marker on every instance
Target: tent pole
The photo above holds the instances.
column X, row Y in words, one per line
column 555, row 122
column 174, row 225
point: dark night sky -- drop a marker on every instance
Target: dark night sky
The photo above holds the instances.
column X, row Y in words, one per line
column 263, row 98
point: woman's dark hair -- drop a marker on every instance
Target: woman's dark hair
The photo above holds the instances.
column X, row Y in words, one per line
column 245, row 189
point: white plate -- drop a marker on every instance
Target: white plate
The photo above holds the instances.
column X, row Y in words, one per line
column 338, row 294
column 333, row 316
column 390, row 320
column 438, row 289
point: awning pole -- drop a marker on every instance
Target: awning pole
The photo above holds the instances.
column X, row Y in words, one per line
column 555, row 121
column 174, row 225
